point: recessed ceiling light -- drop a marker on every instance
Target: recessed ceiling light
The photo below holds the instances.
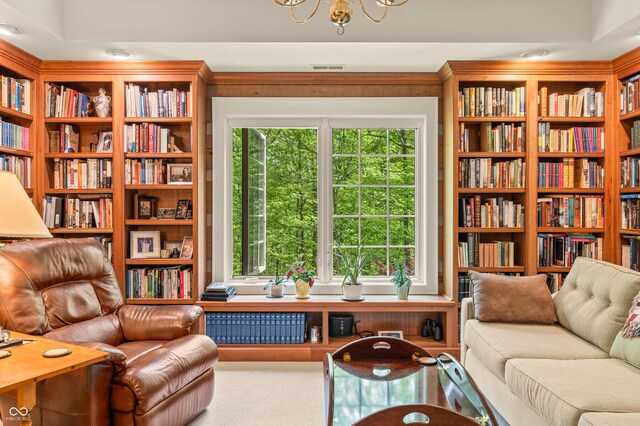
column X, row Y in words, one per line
column 534, row 54
column 120, row 54
column 8, row 29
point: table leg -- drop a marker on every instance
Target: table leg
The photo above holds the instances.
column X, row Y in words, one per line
column 26, row 398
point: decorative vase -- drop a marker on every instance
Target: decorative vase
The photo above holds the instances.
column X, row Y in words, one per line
column 302, row 289
column 102, row 103
column 275, row 291
column 403, row 292
column 352, row 291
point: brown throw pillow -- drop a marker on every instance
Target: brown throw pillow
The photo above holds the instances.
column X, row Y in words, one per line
column 501, row 298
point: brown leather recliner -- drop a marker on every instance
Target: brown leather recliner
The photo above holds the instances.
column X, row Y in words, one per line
column 160, row 371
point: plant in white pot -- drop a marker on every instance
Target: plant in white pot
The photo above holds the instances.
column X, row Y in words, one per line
column 353, row 261
column 275, row 286
column 401, row 280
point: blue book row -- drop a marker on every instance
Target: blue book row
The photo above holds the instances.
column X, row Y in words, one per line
column 256, row 328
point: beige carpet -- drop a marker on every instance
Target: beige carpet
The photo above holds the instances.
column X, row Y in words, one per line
column 266, row 394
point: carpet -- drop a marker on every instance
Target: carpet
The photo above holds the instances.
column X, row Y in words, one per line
column 266, row 394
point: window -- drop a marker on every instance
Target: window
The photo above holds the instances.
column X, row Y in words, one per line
column 314, row 173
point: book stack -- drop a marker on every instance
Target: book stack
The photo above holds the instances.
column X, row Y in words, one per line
column 218, row 292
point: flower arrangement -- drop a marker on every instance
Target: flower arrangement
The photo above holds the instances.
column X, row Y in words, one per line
column 297, row 271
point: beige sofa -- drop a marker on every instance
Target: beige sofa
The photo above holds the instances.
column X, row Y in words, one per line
column 560, row 374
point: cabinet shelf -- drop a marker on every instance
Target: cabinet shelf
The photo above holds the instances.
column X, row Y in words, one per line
column 492, row 119
column 491, row 190
column 158, row 155
column 629, row 231
column 571, row 119
column 155, row 261
column 79, row 155
column 631, row 190
column 166, row 120
column 558, row 230
column 554, row 269
column 570, row 154
column 502, row 230
column 491, row 268
column 17, row 152
column 79, row 120
column 156, row 301
column 81, row 231
column 158, row 222
column 571, row 190
column 166, row 186
column 483, row 154
column 78, row 191
column 8, row 112
column 630, row 116
column 630, row 152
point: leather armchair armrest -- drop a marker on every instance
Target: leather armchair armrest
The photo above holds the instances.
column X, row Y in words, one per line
column 466, row 314
column 158, row 322
column 116, row 356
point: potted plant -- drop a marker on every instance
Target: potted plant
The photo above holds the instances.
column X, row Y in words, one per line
column 275, row 285
column 401, row 280
column 302, row 277
column 352, row 262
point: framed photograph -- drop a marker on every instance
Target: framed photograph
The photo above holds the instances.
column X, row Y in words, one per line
column 144, row 244
column 166, row 213
column 391, row 333
column 187, row 248
column 105, row 142
column 178, row 173
column 182, row 209
column 146, row 207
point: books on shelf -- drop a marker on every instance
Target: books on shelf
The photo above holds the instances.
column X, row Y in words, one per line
column 630, row 172
column 570, row 173
column 63, row 101
column 487, row 173
column 492, row 213
column 256, row 327
column 630, row 211
column 631, row 252
column 20, row 166
column 145, row 171
column 107, row 245
column 160, row 283
column 629, row 94
column 14, row 136
column 140, row 102
column 15, row 93
column 574, row 139
column 494, row 254
column 218, row 292
column 555, row 281
column 66, row 139
column 571, row 211
column 491, row 102
column 562, row 249
column 504, row 137
column 147, row 137
column 586, row 102
column 92, row 173
column 88, row 211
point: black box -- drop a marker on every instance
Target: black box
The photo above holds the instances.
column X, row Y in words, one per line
column 340, row 325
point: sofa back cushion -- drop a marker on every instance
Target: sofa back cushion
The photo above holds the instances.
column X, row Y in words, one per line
column 51, row 284
column 626, row 346
column 594, row 300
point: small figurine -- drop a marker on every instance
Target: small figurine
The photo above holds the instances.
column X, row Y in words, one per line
column 102, row 102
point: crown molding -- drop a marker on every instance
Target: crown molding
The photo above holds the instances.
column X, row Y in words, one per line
column 315, row 78
column 27, row 64
column 523, row 68
column 126, row 67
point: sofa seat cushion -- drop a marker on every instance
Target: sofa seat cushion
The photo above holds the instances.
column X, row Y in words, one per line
column 609, row 419
column 162, row 372
column 134, row 350
column 562, row 390
column 496, row 343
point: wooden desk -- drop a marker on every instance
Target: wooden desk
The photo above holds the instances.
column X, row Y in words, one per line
column 26, row 366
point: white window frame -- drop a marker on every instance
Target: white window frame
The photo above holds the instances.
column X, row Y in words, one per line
column 326, row 114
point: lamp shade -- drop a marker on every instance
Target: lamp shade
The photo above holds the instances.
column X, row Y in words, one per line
column 18, row 216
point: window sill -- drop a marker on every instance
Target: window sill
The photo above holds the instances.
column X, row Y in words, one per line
column 375, row 286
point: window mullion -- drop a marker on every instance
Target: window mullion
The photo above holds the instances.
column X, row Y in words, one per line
column 325, row 211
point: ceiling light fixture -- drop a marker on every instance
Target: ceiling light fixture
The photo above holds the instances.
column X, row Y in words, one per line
column 340, row 11
column 534, row 54
column 120, row 54
column 8, row 29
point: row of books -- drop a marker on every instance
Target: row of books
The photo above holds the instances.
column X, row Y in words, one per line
column 15, row 93
column 491, row 102
column 85, row 211
column 571, row 211
column 555, row 280
column 21, row 166
column 630, row 95
column 147, row 137
column 630, row 211
column 574, row 139
column 474, row 253
column 66, row 139
column 107, row 246
column 465, row 286
column 492, row 213
column 145, row 172
column 635, row 135
column 504, row 137
column 256, row 328
column 484, row 173
column 630, row 172
column 63, row 101
column 160, row 283
column 14, row 136
column 586, row 102
column 630, row 253
column 562, row 249
column 570, row 173
column 219, row 292
column 91, row 173
column 140, row 102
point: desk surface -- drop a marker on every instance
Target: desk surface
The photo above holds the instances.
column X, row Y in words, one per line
column 27, row 365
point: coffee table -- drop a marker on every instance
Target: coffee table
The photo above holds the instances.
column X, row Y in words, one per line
column 360, row 384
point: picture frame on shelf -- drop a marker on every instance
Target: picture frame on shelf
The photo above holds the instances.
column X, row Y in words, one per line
column 174, row 248
column 146, row 207
column 105, row 142
column 179, row 173
column 144, row 244
column 391, row 333
column 186, row 252
column 182, row 209
column 166, row 213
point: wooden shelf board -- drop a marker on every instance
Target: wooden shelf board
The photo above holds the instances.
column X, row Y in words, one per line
column 151, row 301
column 83, row 155
column 167, row 262
column 631, row 190
column 551, row 229
column 81, row 231
column 570, row 154
column 166, row 120
column 571, row 190
column 8, row 112
column 630, row 152
column 477, row 154
column 77, row 191
column 491, row 119
column 572, row 119
column 492, row 269
column 158, row 222
column 338, row 342
column 629, row 231
column 79, row 120
column 491, row 190
column 187, row 155
column 630, row 116
column 492, row 230
column 166, row 186
column 17, row 152
column 557, row 269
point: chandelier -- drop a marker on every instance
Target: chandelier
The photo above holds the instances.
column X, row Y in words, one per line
column 340, row 10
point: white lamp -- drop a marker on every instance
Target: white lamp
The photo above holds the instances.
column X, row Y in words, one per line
column 18, row 216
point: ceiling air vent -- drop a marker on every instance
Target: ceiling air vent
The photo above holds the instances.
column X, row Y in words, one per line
column 328, row 67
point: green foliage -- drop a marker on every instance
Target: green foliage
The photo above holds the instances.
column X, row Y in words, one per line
column 353, row 263
column 400, row 277
column 278, row 280
column 297, row 271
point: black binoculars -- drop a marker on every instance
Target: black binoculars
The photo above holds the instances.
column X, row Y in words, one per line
column 432, row 328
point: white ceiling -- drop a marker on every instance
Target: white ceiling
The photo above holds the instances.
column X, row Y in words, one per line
column 258, row 35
